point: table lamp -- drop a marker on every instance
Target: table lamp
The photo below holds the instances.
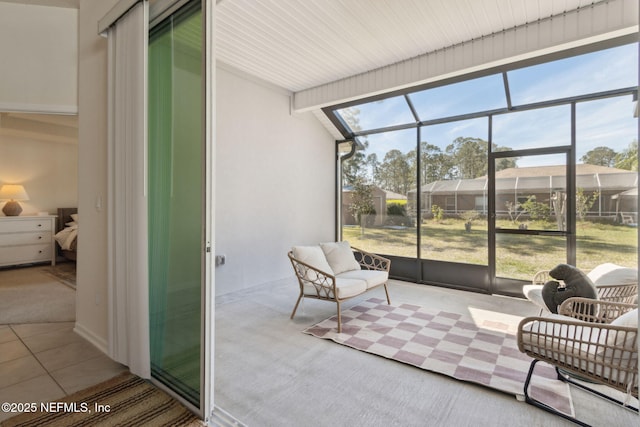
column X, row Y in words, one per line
column 12, row 193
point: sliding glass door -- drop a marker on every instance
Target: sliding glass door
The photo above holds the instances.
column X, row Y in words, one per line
column 177, row 202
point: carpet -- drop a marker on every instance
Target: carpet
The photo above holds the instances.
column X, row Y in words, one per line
column 447, row 343
column 65, row 272
column 122, row 400
column 29, row 295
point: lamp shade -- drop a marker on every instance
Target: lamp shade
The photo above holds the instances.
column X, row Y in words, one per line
column 13, row 192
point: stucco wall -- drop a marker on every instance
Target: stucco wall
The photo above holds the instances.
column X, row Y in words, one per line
column 275, row 178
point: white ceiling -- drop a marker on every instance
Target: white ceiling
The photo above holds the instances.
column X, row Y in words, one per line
column 300, row 44
column 71, row 4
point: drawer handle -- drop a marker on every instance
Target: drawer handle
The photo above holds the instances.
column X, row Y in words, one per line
column 39, row 225
column 39, row 237
column 39, row 252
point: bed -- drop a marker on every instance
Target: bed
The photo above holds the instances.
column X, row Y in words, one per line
column 67, row 232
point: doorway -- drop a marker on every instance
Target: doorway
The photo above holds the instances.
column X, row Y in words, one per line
column 529, row 215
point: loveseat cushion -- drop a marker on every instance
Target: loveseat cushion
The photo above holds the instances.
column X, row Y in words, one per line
column 612, row 274
column 313, row 256
column 346, row 288
column 373, row 278
column 340, row 256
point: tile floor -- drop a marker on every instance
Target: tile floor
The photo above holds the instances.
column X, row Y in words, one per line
column 41, row 362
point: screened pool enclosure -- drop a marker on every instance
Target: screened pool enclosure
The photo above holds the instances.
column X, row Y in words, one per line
column 479, row 181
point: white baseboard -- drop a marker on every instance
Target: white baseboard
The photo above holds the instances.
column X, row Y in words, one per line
column 94, row 339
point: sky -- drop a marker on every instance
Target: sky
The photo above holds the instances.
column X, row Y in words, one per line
column 606, row 122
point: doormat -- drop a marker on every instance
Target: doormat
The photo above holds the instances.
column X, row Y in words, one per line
column 125, row 400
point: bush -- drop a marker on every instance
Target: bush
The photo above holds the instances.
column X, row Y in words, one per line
column 438, row 213
column 397, row 215
column 396, row 209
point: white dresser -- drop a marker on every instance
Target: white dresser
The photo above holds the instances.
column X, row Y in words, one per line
column 27, row 239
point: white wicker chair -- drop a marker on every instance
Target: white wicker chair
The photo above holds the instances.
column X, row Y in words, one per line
column 613, row 283
column 590, row 340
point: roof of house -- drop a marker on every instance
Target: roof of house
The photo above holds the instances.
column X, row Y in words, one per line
column 540, row 178
column 557, row 170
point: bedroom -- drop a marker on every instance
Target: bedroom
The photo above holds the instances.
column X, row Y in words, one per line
column 39, row 152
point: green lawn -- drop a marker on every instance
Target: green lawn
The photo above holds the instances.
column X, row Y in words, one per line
column 519, row 256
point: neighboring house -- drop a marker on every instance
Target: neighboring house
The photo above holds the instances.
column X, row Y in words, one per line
column 616, row 190
column 379, row 199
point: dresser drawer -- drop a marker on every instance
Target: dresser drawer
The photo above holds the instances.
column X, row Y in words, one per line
column 10, row 239
column 27, row 240
column 23, row 254
column 19, row 225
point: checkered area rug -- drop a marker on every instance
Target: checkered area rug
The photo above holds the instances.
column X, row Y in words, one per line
column 447, row 343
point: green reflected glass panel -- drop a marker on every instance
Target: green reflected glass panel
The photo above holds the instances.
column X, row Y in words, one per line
column 175, row 186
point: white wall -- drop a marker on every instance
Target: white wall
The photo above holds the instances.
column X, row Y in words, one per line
column 48, row 171
column 91, row 295
column 39, row 46
column 275, row 184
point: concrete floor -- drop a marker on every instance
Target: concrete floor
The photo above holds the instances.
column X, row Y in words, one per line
column 268, row 373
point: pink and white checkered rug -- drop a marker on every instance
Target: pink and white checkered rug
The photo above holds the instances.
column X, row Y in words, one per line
column 448, row 343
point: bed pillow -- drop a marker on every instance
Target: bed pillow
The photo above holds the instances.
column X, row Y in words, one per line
column 340, row 256
column 74, row 217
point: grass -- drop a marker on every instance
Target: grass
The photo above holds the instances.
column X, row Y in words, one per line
column 518, row 256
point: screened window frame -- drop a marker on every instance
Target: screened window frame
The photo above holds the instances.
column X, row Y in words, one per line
column 348, row 133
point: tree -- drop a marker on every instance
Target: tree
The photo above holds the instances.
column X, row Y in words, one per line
column 374, row 167
column 469, row 158
column 601, row 156
column 362, row 200
column 395, row 172
column 628, row 159
column 434, row 164
column 584, row 202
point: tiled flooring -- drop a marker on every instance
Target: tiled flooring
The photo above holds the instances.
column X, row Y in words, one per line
column 41, row 362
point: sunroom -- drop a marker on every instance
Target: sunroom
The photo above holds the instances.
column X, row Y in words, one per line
column 495, row 163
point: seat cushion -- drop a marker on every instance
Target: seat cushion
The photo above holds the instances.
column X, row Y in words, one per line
column 373, row 278
column 534, row 294
column 346, row 288
column 627, row 320
column 340, row 256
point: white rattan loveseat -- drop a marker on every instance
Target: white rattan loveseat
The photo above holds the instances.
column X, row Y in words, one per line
column 337, row 272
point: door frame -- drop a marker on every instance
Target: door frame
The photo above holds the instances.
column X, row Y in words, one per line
column 513, row 287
